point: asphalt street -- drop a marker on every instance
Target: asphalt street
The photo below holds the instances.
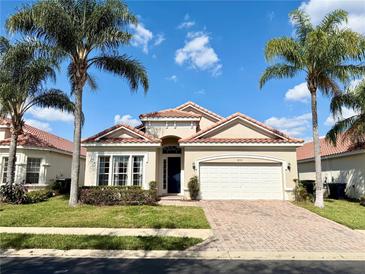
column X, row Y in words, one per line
column 36, row 265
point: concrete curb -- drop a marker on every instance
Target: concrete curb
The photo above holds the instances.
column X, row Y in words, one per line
column 165, row 254
column 194, row 233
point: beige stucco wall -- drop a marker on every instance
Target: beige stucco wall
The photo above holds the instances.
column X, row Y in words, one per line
column 287, row 154
column 54, row 165
column 348, row 169
column 238, row 129
column 91, row 170
column 206, row 120
column 182, row 129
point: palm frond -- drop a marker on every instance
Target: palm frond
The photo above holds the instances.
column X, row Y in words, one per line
column 284, row 48
column 302, row 24
column 278, row 71
column 124, row 66
column 333, row 20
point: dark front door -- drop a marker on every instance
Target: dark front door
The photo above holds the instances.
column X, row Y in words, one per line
column 173, row 178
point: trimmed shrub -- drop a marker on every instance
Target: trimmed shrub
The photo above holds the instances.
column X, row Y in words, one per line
column 301, row 193
column 153, row 189
column 362, row 200
column 194, row 187
column 116, row 195
column 37, row 196
column 61, row 186
column 14, row 194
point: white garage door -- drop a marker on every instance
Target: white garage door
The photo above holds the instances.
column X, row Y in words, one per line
column 239, row 181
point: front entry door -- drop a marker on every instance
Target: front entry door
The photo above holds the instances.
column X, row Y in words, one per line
column 173, row 175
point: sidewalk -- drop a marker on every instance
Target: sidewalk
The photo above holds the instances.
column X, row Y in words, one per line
column 193, row 233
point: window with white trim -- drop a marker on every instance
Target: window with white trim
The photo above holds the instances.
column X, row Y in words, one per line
column 5, row 168
column 104, row 167
column 137, row 171
column 120, row 170
column 33, row 170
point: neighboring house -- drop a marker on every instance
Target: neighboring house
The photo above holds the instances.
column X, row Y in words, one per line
column 41, row 157
column 234, row 158
column 340, row 164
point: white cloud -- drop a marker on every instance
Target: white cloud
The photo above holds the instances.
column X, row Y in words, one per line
column 172, row 78
column 317, row 9
column 187, row 23
column 126, row 119
column 200, row 92
column 346, row 113
column 293, row 126
column 159, row 39
column 141, row 37
column 298, row 93
column 38, row 124
column 50, row 114
column 198, row 53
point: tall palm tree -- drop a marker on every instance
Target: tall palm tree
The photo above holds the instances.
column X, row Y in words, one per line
column 23, row 72
column 87, row 33
column 353, row 127
column 327, row 54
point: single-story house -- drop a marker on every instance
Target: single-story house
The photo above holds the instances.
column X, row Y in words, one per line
column 41, row 157
column 342, row 163
column 234, row 158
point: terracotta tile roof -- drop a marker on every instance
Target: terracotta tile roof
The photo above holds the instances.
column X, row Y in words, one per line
column 187, row 104
column 327, row 149
column 239, row 140
column 34, row 137
column 145, row 138
column 245, row 117
column 170, row 113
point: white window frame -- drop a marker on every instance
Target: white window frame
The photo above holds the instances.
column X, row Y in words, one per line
column 39, row 171
column 130, row 167
column 112, row 171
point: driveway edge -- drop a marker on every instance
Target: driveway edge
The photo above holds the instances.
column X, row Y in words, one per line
column 174, row 254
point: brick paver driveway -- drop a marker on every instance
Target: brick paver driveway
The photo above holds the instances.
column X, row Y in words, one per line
column 275, row 226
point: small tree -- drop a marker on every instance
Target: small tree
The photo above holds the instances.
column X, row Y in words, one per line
column 23, row 71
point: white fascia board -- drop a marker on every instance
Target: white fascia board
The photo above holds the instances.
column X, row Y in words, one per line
column 45, row 149
column 240, row 145
column 339, row 155
column 168, row 119
column 243, row 119
column 118, row 128
column 120, row 145
column 203, row 111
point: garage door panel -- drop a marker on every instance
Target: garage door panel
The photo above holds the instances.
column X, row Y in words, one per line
column 241, row 181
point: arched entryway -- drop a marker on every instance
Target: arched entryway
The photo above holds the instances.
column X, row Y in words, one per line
column 171, row 165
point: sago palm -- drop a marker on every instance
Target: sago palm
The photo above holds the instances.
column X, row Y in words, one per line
column 86, row 33
column 23, row 72
column 353, row 127
column 327, row 54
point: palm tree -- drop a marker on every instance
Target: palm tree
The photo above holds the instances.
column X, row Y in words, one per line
column 327, row 54
column 23, row 72
column 353, row 127
column 87, row 33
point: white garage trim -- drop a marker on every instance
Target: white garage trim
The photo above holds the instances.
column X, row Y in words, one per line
column 250, row 156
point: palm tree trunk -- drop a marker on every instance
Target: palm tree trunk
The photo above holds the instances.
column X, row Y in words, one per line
column 10, row 174
column 317, row 150
column 75, row 169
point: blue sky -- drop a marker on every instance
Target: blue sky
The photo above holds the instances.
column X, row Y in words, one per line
column 211, row 53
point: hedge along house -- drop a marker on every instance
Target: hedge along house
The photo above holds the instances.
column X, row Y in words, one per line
column 234, row 158
column 41, row 157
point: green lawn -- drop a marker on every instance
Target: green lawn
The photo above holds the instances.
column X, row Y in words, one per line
column 55, row 212
column 350, row 214
column 64, row 242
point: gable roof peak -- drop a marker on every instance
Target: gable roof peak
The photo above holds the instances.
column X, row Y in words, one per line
column 200, row 108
